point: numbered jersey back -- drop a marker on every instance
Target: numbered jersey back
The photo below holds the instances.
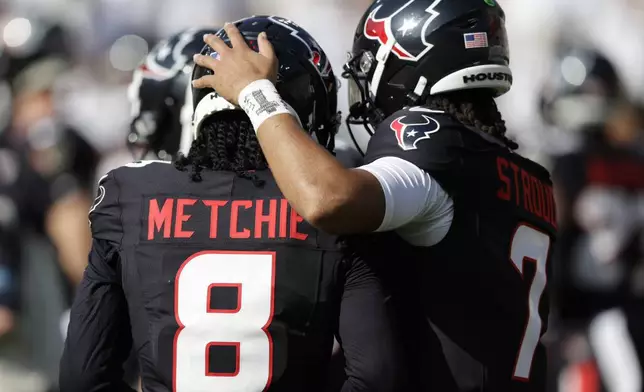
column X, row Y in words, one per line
column 496, row 257
column 485, row 284
column 228, row 288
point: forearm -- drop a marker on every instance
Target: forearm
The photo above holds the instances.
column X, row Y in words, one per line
column 67, row 227
column 325, row 193
column 302, row 168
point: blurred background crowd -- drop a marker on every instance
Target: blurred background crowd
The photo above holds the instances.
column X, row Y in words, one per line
column 576, row 106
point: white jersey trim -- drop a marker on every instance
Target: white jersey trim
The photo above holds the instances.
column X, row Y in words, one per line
column 616, row 354
column 416, row 206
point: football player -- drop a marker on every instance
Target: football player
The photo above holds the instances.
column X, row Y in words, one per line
column 205, row 268
column 469, row 222
column 600, row 248
column 161, row 117
column 160, row 124
column 47, row 162
column 63, row 165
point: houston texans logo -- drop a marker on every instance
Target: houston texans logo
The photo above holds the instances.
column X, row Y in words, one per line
column 318, row 59
column 170, row 56
column 409, row 134
column 411, row 44
column 322, row 63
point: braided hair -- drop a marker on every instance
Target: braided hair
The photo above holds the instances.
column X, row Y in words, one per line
column 226, row 142
column 476, row 109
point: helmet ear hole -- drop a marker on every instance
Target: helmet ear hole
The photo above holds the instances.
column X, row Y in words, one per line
column 468, row 24
column 400, row 77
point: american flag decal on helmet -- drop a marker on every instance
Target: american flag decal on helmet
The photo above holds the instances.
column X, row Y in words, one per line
column 475, row 40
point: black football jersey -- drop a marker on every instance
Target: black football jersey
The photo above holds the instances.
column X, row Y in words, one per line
column 10, row 230
column 25, row 197
column 220, row 286
column 609, row 178
column 484, row 287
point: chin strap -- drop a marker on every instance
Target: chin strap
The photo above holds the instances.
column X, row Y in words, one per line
column 381, row 57
column 414, row 97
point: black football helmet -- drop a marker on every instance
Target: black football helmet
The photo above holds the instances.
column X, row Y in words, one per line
column 407, row 50
column 305, row 78
column 157, row 96
column 581, row 90
column 40, row 39
column 34, row 53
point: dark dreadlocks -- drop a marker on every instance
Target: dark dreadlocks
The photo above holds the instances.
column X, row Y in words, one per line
column 476, row 109
column 226, row 142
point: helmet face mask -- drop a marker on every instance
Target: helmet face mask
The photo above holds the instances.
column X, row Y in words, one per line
column 363, row 115
column 305, row 78
column 405, row 51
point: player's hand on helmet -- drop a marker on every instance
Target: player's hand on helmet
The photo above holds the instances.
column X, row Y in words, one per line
column 236, row 67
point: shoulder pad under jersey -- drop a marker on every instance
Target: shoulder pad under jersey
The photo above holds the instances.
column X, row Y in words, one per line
column 422, row 136
column 105, row 213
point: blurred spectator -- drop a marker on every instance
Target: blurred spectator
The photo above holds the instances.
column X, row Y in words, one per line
column 10, row 252
column 39, row 55
column 599, row 187
column 534, row 27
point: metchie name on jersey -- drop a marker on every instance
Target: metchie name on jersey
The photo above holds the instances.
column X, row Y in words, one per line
column 526, row 190
column 179, row 218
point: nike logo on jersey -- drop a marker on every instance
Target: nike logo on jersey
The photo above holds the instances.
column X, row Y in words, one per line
column 412, row 128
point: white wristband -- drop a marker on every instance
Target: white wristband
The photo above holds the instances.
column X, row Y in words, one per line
column 261, row 101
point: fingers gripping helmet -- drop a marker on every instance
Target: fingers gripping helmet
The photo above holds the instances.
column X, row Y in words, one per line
column 157, row 94
column 584, row 89
column 407, row 50
column 305, row 78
